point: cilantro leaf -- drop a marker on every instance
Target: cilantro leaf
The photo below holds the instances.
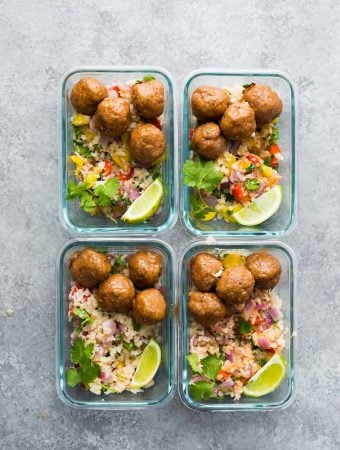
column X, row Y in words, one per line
column 275, row 136
column 135, row 326
column 77, row 132
column 106, row 192
column 244, row 326
column 261, row 362
column 245, row 85
column 72, row 377
column 83, row 316
column 193, row 361
column 250, row 168
column 201, row 174
column 199, row 208
column 88, row 371
column 148, row 78
column 201, row 390
column 252, row 185
column 75, row 190
column 211, row 365
column 129, row 345
column 82, row 150
column 87, row 203
column 77, row 350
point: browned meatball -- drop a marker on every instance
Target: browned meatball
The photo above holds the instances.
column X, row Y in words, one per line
column 147, row 144
column 203, row 270
column 86, row 94
column 235, row 285
column 89, row 267
column 265, row 102
column 116, row 294
column 145, row 268
column 265, row 268
column 149, row 307
column 112, row 117
column 148, row 99
column 208, row 102
column 208, row 141
column 206, row 308
column 238, row 122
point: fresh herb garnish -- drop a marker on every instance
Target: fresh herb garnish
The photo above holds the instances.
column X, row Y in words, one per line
column 201, row 390
column 77, row 132
column 106, row 192
column 250, row 168
column 119, row 263
column 193, row 361
column 129, row 346
column 148, row 78
column 199, row 207
column 275, row 136
column 252, row 185
column 261, row 362
column 87, row 370
column 201, row 174
column 82, row 150
column 245, row 85
column 86, row 199
column 83, row 315
column 244, row 326
column 135, row 326
column 211, row 365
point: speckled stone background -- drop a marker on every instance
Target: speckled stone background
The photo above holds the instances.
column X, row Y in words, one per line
column 40, row 40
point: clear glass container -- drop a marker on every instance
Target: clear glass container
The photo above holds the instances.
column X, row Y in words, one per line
column 165, row 377
column 71, row 216
column 282, row 396
column 283, row 220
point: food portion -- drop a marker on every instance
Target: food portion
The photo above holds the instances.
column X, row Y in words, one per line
column 234, row 158
column 114, row 342
column 236, row 332
column 118, row 146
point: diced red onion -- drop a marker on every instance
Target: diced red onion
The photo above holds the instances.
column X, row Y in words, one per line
column 234, row 177
column 227, row 383
column 133, row 194
column 263, row 342
column 230, row 357
column 260, row 189
column 109, row 327
column 268, row 318
column 275, row 313
column 104, row 375
column 225, row 186
column 233, row 147
column 210, row 200
column 207, row 332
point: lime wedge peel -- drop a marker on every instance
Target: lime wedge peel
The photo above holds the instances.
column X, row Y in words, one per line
column 147, row 366
column 268, row 378
column 260, row 209
column 145, row 205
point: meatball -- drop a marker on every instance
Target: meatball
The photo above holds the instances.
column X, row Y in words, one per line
column 203, row 270
column 148, row 99
column 265, row 102
column 235, row 285
column 208, row 102
column 265, row 268
column 238, row 122
column 112, row 117
column 206, row 308
column 116, row 294
column 149, row 307
column 89, row 267
column 208, row 141
column 145, row 268
column 147, row 144
column 86, row 94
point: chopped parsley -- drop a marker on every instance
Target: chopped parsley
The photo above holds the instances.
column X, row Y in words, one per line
column 244, row 326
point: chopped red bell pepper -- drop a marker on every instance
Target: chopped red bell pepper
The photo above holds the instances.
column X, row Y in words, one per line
column 274, row 148
column 239, row 193
column 107, row 168
column 115, row 88
column 254, row 159
column 124, row 176
column 223, row 373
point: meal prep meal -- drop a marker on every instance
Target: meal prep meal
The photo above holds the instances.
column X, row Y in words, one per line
column 236, row 333
column 118, row 148
column 115, row 306
column 234, row 159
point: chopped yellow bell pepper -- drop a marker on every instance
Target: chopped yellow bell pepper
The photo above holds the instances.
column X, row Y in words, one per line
column 160, row 159
column 228, row 211
column 89, row 134
column 79, row 120
column 209, row 216
column 232, row 260
column 78, row 161
column 91, row 178
column 266, row 171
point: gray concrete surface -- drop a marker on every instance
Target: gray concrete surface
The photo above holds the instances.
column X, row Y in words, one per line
column 40, row 40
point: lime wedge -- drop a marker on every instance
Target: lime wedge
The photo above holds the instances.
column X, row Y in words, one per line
column 268, row 378
column 260, row 209
column 145, row 205
column 148, row 365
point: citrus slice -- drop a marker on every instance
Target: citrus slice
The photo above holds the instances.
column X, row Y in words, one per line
column 145, row 205
column 147, row 366
column 268, row 378
column 260, row 209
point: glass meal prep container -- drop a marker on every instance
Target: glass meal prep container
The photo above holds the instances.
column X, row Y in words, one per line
column 284, row 394
column 283, row 220
column 72, row 217
column 164, row 380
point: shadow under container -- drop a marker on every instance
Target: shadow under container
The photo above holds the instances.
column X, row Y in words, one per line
column 71, row 215
column 283, row 220
column 282, row 396
column 165, row 377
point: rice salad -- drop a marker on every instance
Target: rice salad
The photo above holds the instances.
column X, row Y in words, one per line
column 243, row 349
column 247, row 169
column 106, row 179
